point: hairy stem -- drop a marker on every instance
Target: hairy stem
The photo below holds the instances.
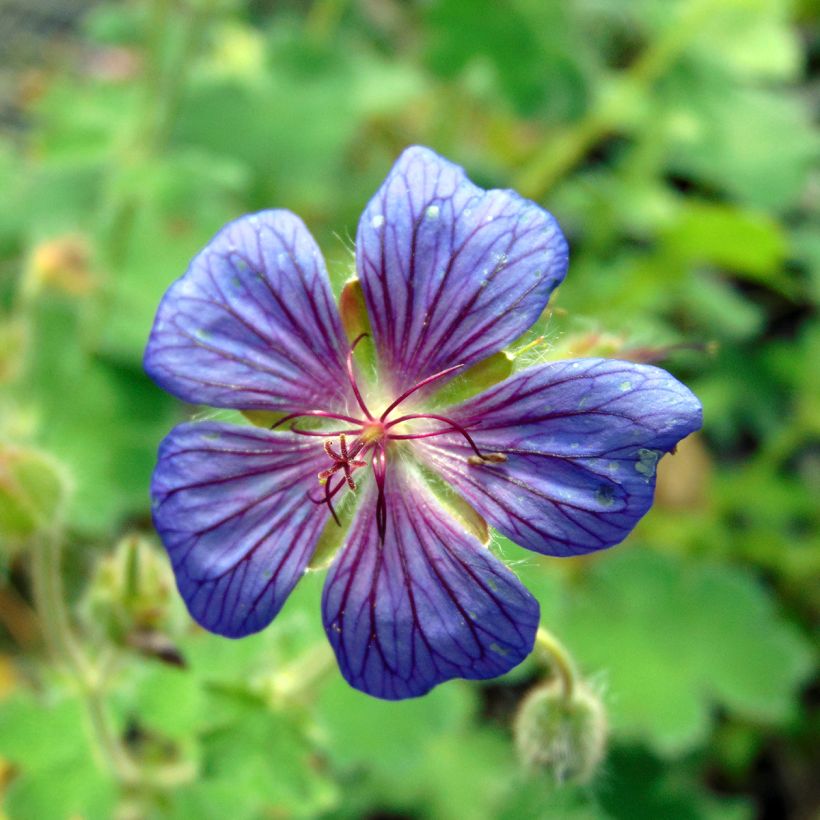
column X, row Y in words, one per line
column 48, row 594
column 66, row 650
column 558, row 659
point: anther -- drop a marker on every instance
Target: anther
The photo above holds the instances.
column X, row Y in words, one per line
column 345, row 461
column 492, row 458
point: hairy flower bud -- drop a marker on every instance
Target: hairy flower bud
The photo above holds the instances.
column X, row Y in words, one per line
column 130, row 593
column 560, row 733
column 33, row 489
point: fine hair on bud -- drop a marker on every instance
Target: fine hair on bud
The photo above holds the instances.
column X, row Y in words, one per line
column 564, row 734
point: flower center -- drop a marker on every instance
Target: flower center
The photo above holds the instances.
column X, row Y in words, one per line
column 373, row 432
column 371, row 436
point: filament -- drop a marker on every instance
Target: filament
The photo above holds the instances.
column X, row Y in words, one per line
column 352, row 377
column 318, row 414
column 407, row 393
column 456, row 427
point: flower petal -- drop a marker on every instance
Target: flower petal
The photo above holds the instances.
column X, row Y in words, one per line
column 451, row 273
column 231, row 507
column 428, row 604
column 252, row 324
column 581, row 440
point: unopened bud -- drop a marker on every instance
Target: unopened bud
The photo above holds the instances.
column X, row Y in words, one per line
column 33, row 489
column 131, row 590
column 562, row 733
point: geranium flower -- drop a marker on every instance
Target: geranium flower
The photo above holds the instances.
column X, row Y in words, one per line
column 560, row 457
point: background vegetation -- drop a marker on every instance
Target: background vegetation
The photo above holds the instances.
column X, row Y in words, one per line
column 673, row 141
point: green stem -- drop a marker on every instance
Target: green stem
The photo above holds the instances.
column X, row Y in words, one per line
column 558, row 659
column 111, row 748
column 560, row 155
column 48, row 594
column 63, row 644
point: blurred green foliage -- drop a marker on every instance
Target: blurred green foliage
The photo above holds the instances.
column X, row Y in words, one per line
column 673, row 141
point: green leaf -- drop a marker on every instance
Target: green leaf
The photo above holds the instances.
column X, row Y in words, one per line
column 539, row 798
column 740, row 241
column 755, row 143
column 720, row 310
column 640, row 786
column 171, row 207
column 806, row 242
column 249, row 663
column 671, row 641
column 168, row 700
column 99, row 417
column 59, row 776
column 78, row 787
column 39, row 733
column 525, row 46
column 467, row 785
column 423, row 751
column 754, row 40
column 355, row 724
column 257, row 765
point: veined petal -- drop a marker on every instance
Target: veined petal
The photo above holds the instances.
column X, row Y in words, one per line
column 581, row 440
column 231, row 506
column 252, row 323
column 427, row 605
column 451, row 273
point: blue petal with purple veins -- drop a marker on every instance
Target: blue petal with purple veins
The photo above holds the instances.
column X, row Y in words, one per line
column 252, row 324
column 428, row 604
column 560, row 458
column 232, row 508
column 582, row 440
column 451, row 273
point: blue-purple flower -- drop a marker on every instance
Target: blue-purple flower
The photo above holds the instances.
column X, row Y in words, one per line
column 560, row 457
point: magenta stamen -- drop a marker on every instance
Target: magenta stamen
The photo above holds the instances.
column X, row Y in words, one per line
column 457, row 427
column 422, row 383
column 319, row 414
column 328, row 496
column 352, row 377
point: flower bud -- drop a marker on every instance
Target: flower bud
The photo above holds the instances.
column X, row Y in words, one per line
column 33, row 489
column 561, row 733
column 131, row 591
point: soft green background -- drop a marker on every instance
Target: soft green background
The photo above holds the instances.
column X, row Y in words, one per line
column 673, row 141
